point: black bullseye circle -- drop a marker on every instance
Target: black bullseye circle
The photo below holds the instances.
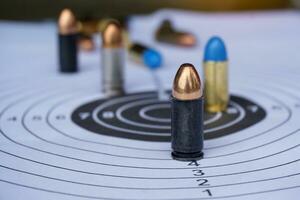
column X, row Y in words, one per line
column 141, row 116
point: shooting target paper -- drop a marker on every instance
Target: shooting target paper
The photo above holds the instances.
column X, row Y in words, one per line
column 61, row 138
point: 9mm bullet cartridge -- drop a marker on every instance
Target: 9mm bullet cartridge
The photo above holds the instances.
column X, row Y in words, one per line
column 187, row 114
column 113, row 55
column 216, row 95
column 67, row 41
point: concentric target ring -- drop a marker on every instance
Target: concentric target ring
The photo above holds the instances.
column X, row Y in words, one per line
column 68, row 181
column 126, row 115
column 143, row 113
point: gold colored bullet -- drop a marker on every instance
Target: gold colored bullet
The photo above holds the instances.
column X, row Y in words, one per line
column 216, row 76
column 86, row 42
column 89, row 27
column 167, row 34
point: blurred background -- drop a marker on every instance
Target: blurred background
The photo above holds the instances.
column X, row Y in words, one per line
column 95, row 9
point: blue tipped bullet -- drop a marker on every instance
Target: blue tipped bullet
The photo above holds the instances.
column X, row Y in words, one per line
column 152, row 58
column 215, row 64
column 148, row 56
column 215, row 50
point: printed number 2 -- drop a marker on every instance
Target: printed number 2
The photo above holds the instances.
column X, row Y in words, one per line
column 202, row 182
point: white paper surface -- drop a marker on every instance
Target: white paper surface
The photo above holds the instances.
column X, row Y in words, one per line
column 56, row 159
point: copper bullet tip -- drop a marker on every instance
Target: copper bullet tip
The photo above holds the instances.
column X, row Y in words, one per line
column 86, row 43
column 67, row 23
column 187, row 39
column 187, row 84
column 112, row 36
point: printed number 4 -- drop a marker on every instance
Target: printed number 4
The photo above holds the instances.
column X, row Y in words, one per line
column 193, row 163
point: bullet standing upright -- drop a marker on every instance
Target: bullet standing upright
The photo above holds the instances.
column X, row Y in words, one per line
column 187, row 114
column 67, row 38
column 113, row 54
column 85, row 42
column 216, row 76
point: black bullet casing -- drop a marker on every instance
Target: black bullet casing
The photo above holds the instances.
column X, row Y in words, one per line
column 138, row 48
column 187, row 129
column 68, row 52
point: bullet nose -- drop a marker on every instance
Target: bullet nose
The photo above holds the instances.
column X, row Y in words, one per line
column 187, row 84
column 215, row 50
column 112, row 35
column 187, row 39
column 152, row 58
column 67, row 22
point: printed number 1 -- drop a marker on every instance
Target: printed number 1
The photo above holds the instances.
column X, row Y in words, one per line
column 208, row 192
